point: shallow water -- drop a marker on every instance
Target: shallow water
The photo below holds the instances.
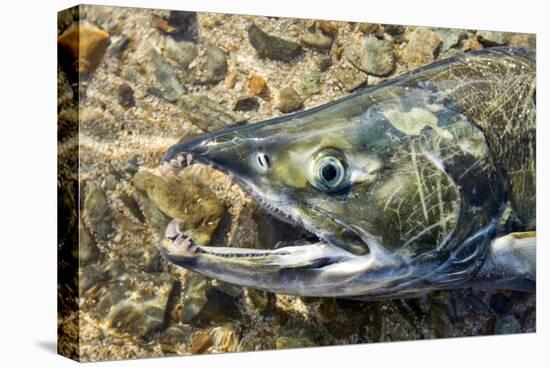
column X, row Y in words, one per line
column 133, row 303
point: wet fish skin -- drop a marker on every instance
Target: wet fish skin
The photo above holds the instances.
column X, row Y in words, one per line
column 404, row 184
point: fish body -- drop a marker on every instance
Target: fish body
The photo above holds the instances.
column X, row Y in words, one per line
column 408, row 186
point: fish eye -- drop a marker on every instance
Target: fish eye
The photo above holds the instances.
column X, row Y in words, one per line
column 327, row 171
column 263, row 163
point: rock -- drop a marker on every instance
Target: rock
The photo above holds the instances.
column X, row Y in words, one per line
column 246, row 104
column 87, row 249
column 489, row 38
column 110, row 182
column 350, row 77
column 156, row 218
column 132, row 166
column 201, row 302
column 90, row 277
column 327, row 27
column 210, row 66
column 371, row 28
column 500, row 303
column 421, row 48
column 323, row 62
column 85, row 45
column 507, row 325
column 206, row 114
column 256, row 85
column 396, row 327
column 183, row 53
column 98, row 212
column 184, row 198
column 193, row 297
column 316, row 38
column 170, row 86
column 126, row 96
column 524, row 40
column 310, row 84
column 372, row 56
column 393, row 29
column 289, row 100
column 201, row 342
column 115, row 269
column 132, row 205
column 439, row 321
column 271, row 47
column 450, row 37
column 260, row 299
column 181, row 25
column 175, row 339
column 136, row 304
column 294, row 336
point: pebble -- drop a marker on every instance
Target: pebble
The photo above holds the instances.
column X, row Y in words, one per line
column 210, row 66
column 323, row 62
column 157, row 219
column 170, row 86
column 202, row 340
column 507, row 325
column 450, row 37
column 87, row 249
column 371, row 28
column 85, row 44
column 350, row 77
column 310, row 84
column 524, row 40
column 371, row 55
column 136, row 304
column 186, row 198
column 271, row 47
column 182, row 25
column 489, row 38
column 421, row 48
column 98, row 212
column 174, row 339
column 439, row 321
column 314, row 37
column 394, row 29
column 289, row 100
column 183, row 53
column 110, row 182
column 247, row 103
column 206, row 114
column 256, row 85
column 126, row 96
column 293, row 336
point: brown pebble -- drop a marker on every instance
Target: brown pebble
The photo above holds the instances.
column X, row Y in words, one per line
column 201, row 342
column 327, row 27
column 475, row 44
column 126, row 96
column 289, row 100
column 85, row 44
column 256, row 85
column 162, row 24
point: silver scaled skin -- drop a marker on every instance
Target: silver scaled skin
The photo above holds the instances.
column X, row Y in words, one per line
column 423, row 182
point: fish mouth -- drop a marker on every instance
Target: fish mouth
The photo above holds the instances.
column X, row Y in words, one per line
column 175, row 164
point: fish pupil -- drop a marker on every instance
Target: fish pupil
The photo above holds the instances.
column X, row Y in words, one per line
column 329, row 172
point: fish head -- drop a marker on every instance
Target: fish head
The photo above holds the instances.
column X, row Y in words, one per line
column 380, row 180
